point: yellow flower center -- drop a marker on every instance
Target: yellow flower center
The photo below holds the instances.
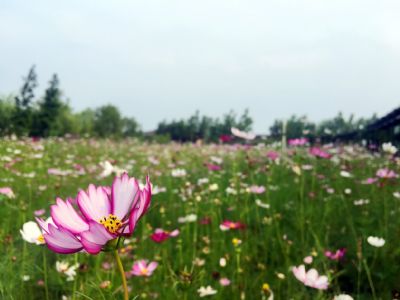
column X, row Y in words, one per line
column 111, row 223
column 236, row 242
column 265, row 287
column 40, row 239
column 144, row 271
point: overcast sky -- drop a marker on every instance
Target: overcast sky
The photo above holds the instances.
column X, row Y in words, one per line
column 164, row 59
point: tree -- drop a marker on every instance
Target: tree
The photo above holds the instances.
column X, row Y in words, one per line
column 245, row 122
column 107, row 121
column 7, row 107
column 22, row 116
column 130, row 127
column 85, row 121
column 65, row 123
column 50, row 109
column 296, row 126
column 206, row 128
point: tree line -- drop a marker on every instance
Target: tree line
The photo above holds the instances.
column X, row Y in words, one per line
column 338, row 126
column 51, row 115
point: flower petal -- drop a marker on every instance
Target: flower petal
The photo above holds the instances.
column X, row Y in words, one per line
column 311, row 277
column 124, row 194
column 321, row 283
column 145, row 198
column 300, row 273
column 64, row 215
column 62, row 241
column 44, row 225
column 152, row 266
column 95, row 238
column 94, row 204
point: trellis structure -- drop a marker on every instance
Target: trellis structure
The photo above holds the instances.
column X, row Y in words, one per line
column 384, row 129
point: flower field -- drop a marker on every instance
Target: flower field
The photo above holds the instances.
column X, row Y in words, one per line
column 224, row 222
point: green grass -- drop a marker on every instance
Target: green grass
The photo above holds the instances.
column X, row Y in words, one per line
column 303, row 219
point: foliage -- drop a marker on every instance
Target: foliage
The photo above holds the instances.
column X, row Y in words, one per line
column 305, row 208
column 203, row 127
column 7, row 108
column 107, row 121
column 298, row 126
column 23, row 112
column 51, row 115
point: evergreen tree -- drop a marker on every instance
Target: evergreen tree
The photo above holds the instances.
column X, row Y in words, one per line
column 50, row 109
column 7, row 107
column 22, row 115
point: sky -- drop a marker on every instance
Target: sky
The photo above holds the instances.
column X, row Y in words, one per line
column 158, row 59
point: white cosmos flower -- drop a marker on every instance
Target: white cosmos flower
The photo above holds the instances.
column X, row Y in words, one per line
column 230, row 191
column 389, row 148
column 202, row 181
column 262, row 204
column 222, row 262
column 206, row 291
column 157, row 190
column 343, row 297
column 217, row 160
column 64, row 268
column 178, row 173
column 345, row 174
column 213, row 187
column 188, row 219
column 108, row 169
column 243, row 134
column 347, row 191
column 361, row 202
column 31, row 233
column 375, row 241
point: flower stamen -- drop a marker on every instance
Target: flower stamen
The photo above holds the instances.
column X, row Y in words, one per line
column 40, row 239
column 144, row 271
column 111, row 223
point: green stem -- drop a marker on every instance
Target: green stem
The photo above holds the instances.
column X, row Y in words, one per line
column 371, row 284
column 122, row 272
column 74, row 292
column 46, row 289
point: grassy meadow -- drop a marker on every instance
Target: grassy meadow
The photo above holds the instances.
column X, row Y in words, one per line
column 285, row 209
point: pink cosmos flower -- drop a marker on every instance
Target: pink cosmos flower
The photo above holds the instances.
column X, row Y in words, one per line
column 141, row 268
column 213, row 167
column 310, row 278
column 386, row 173
column 7, row 191
column 370, row 181
column 255, row 189
column 273, row 155
column 338, row 255
column 205, row 221
column 318, row 152
column 308, row 260
column 39, row 212
column 101, row 216
column 297, row 142
column 229, row 225
column 242, row 134
column 224, row 281
column 225, row 138
column 57, row 172
column 160, row 235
